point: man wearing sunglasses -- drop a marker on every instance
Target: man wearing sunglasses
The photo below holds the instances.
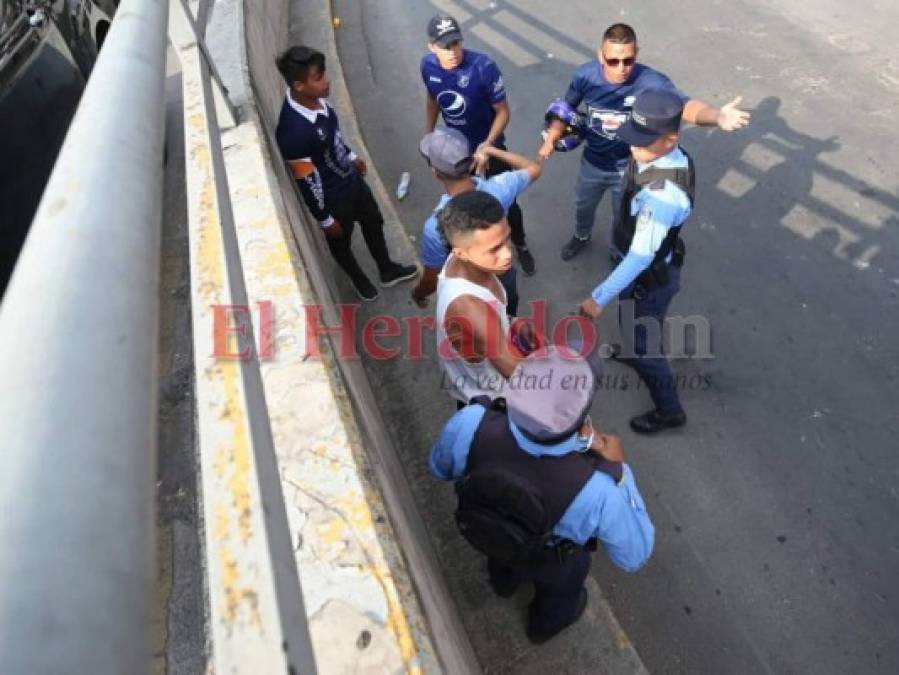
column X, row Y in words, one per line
column 608, row 90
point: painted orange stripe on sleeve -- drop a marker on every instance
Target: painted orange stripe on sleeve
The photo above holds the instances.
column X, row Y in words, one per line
column 300, row 168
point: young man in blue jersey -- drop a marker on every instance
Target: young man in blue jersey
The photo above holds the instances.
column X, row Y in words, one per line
column 467, row 88
column 657, row 199
column 328, row 173
column 608, row 89
column 449, row 155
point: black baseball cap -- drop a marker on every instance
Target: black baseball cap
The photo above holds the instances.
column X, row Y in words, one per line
column 655, row 113
column 444, row 30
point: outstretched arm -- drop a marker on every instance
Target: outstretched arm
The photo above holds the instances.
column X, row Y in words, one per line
column 514, row 160
column 553, row 134
column 727, row 118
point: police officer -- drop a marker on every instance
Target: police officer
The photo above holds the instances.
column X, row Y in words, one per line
column 467, row 88
column 537, row 447
column 657, row 199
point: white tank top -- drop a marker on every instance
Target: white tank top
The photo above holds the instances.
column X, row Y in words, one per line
column 463, row 379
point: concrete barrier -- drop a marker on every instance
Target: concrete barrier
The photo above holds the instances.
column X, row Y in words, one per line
column 373, row 593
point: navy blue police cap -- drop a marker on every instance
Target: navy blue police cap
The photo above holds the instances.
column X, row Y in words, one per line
column 549, row 394
column 655, row 113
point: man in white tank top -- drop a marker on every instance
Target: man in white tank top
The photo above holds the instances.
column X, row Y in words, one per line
column 473, row 339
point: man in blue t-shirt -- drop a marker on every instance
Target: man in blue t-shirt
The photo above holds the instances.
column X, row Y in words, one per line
column 467, row 88
column 607, row 89
column 448, row 154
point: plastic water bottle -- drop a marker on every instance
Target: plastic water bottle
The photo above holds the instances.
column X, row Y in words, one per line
column 403, row 188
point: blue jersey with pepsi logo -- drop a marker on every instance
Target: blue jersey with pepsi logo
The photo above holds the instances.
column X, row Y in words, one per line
column 466, row 94
column 607, row 107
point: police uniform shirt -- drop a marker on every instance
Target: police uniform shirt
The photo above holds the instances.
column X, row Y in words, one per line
column 658, row 207
column 615, row 514
column 466, row 94
column 505, row 187
column 608, row 106
column 319, row 159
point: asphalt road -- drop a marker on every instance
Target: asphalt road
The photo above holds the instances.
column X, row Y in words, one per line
column 777, row 507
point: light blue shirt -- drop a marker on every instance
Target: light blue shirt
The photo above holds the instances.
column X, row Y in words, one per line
column 505, row 187
column 657, row 211
column 613, row 514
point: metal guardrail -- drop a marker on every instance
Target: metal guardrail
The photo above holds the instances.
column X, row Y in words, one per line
column 78, row 351
column 257, row 619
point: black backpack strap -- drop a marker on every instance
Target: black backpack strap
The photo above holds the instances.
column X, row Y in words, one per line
column 615, row 470
column 683, row 177
column 498, row 403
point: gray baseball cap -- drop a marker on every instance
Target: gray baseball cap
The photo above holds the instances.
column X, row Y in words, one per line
column 447, row 151
column 549, row 394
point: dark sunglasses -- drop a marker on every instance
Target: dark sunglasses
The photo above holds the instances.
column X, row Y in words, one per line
column 614, row 63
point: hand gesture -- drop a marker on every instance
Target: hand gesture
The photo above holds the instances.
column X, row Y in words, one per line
column 524, row 336
column 590, row 308
column 418, row 298
column 360, row 164
column 334, row 230
column 731, row 118
column 545, row 150
column 609, row 447
column 481, row 160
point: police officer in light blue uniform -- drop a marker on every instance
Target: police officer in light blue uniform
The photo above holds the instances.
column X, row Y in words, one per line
column 657, row 199
column 538, row 442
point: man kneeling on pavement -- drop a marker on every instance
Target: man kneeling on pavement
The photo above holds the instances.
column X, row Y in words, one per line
column 538, row 486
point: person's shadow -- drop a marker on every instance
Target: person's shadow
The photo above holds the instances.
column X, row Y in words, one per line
column 769, row 171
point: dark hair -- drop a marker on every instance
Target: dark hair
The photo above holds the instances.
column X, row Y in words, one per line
column 463, row 172
column 467, row 212
column 620, row 33
column 295, row 64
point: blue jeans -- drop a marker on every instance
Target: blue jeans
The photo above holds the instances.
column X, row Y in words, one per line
column 592, row 183
column 651, row 364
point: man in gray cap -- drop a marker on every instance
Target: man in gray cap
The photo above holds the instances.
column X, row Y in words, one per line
column 538, row 486
column 449, row 155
